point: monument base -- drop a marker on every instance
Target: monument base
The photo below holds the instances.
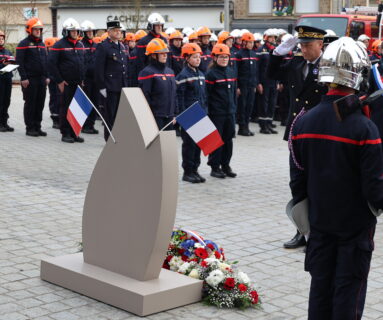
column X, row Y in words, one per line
column 169, row 291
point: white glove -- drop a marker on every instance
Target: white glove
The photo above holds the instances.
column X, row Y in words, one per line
column 285, row 47
column 103, row 92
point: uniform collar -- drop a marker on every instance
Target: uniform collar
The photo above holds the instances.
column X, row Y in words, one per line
column 34, row 39
column 316, row 60
column 337, row 92
column 74, row 42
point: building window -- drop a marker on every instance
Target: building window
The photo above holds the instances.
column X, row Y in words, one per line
column 304, row 6
column 257, row 6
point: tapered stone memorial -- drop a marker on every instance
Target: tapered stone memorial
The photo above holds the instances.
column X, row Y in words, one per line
column 128, row 217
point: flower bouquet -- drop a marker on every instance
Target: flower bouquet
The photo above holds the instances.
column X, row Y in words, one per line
column 224, row 285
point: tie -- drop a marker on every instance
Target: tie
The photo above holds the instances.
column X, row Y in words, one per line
column 310, row 74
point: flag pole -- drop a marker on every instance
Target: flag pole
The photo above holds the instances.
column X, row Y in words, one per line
column 102, row 118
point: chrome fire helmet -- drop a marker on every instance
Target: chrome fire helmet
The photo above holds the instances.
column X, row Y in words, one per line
column 345, row 62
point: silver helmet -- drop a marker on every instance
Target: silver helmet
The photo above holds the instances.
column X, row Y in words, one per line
column 345, row 62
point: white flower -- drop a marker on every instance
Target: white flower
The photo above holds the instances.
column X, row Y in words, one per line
column 184, row 268
column 175, row 263
column 224, row 267
column 211, row 260
column 215, row 277
column 194, row 274
column 242, row 277
column 198, row 245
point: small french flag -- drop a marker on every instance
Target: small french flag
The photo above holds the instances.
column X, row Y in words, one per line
column 79, row 109
column 200, row 128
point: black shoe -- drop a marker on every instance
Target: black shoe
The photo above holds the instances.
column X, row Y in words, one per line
column 3, row 128
column 296, row 242
column 243, row 132
column 217, row 173
column 264, row 131
column 67, row 138
column 42, row 133
column 89, row 130
column 190, row 177
column 271, row 130
column 201, row 179
column 227, row 170
column 9, row 129
column 272, row 125
column 32, row 133
column 78, row 139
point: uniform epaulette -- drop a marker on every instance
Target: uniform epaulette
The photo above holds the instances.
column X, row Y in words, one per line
column 298, row 54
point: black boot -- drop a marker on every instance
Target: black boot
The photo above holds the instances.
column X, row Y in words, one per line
column 227, row 170
column 42, row 133
column 297, row 241
column 251, row 133
column 89, row 130
column 78, row 139
column 3, row 128
column 264, row 128
column 67, row 138
column 217, row 173
column 242, row 131
column 9, row 129
column 270, row 128
column 190, row 177
column 32, row 133
column 201, row 179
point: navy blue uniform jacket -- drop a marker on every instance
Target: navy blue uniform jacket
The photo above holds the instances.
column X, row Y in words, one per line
column 111, row 71
column 31, row 56
column 5, row 54
column 247, row 68
column 176, row 61
column 67, row 61
column 205, row 58
column 191, row 87
column 90, row 57
column 158, row 84
column 342, row 166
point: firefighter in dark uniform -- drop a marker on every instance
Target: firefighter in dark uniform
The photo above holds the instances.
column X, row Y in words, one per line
column 338, row 167
column 225, row 38
column 301, row 76
column 130, row 42
column 155, row 27
column 266, row 87
column 54, row 97
column 204, row 35
column 5, row 85
column 90, row 87
column 191, row 88
column 67, row 67
column 221, row 85
column 237, row 36
column 247, row 82
column 157, row 82
column 111, row 72
column 376, row 53
column 176, row 59
column 133, row 67
column 31, row 56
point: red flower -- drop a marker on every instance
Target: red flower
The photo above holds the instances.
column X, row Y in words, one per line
column 184, row 258
column 217, row 254
column 181, row 251
column 210, row 246
column 194, row 259
column 168, row 258
column 242, row 287
column 229, row 284
column 254, row 297
column 165, row 266
column 204, row 264
column 201, row 253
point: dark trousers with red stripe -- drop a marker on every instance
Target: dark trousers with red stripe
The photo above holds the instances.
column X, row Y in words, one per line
column 268, row 101
column 245, row 105
column 93, row 94
column 225, row 125
column 112, row 101
column 5, row 98
column 34, row 99
column 65, row 100
column 191, row 153
column 54, row 100
column 339, row 268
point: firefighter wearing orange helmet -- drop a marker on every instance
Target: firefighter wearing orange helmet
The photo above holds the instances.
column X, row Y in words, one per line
column 157, row 82
column 31, row 56
column 376, row 53
column 5, row 85
column 176, row 59
column 204, row 35
column 130, row 41
column 226, row 38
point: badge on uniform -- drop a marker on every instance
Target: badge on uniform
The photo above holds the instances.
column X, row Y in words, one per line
column 163, row 78
column 201, row 83
column 251, row 62
column 315, row 71
column 229, row 86
column 31, row 44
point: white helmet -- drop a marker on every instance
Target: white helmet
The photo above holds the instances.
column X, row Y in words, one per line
column 236, row 33
column 185, row 40
column 155, row 18
column 244, row 31
column 219, row 33
column 330, row 33
column 363, row 37
column 281, row 32
column 170, row 30
column 87, row 26
column 286, row 37
column 271, row 32
column 213, row 37
column 187, row 31
column 258, row 36
column 69, row 25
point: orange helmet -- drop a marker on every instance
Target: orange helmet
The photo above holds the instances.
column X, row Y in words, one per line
column 189, row 49
column 176, row 35
column 104, row 36
column 204, row 31
column 33, row 23
column 96, row 39
column 49, row 42
column 130, row 37
column 375, row 45
column 165, row 35
column 156, row 45
column 220, row 48
column 140, row 34
column 224, row 36
column 193, row 36
column 247, row 36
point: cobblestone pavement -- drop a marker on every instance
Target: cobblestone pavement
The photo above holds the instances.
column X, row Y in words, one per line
column 43, row 183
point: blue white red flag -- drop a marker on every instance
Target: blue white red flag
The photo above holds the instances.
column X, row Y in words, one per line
column 79, row 110
column 200, row 128
column 377, row 76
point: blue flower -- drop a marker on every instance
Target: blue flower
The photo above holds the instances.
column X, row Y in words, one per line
column 187, row 244
column 211, row 242
column 187, row 253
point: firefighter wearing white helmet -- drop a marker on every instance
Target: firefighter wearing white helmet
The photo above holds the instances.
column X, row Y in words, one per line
column 257, row 40
column 213, row 40
column 89, row 29
column 187, row 31
column 170, row 30
column 68, row 71
column 329, row 37
column 364, row 39
column 236, row 34
column 155, row 27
